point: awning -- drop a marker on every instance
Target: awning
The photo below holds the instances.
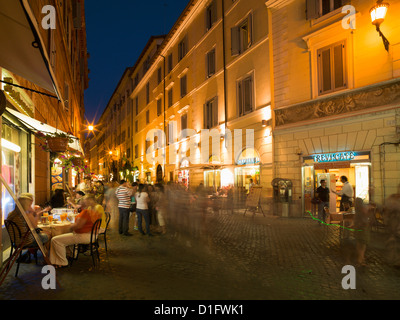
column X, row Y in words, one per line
column 36, row 125
column 19, row 33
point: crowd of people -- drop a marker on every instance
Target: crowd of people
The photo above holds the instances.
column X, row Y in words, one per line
column 154, row 207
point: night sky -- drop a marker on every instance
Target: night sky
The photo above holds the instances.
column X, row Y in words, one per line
column 117, row 32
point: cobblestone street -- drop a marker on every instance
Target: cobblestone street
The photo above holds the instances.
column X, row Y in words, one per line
column 220, row 257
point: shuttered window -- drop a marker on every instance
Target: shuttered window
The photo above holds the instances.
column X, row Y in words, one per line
column 332, row 73
column 245, row 91
column 210, row 63
column 159, row 107
column 211, row 113
column 242, row 36
column 318, row 8
column 211, row 15
column 184, row 86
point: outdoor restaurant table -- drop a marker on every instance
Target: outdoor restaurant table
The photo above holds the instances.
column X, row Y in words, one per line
column 56, row 227
column 344, row 219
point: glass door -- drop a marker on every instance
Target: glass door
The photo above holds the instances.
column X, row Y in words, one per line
column 308, row 190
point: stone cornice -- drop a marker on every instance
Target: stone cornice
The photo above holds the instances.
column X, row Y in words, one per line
column 382, row 95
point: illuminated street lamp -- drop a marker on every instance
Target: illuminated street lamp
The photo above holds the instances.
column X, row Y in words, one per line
column 378, row 14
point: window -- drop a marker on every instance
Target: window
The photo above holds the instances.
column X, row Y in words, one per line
column 136, row 151
column 170, row 63
column 148, row 93
column 136, row 126
column 184, row 86
column 159, row 107
column 182, row 48
column 332, row 75
column 170, row 97
column 159, row 76
column 137, row 105
column 128, row 153
column 245, row 95
column 242, row 36
column 211, row 113
column 184, row 120
column 210, row 63
column 147, row 116
column 211, row 15
column 318, row 8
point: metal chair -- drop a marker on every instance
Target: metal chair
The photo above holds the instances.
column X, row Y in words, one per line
column 15, row 235
column 104, row 233
column 93, row 245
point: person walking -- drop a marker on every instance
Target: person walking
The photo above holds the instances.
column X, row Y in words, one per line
column 142, row 209
column 322, row 195
column 123, row 194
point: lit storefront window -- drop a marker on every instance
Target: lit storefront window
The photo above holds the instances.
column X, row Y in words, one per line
column 15, row 165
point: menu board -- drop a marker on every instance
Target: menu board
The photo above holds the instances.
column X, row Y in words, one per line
column 253, row 198
column 56, row 178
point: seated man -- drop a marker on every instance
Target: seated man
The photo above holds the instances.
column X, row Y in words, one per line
column 80, row 233
column 26, row 200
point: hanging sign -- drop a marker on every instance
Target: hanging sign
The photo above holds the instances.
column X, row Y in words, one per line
column 334, row 157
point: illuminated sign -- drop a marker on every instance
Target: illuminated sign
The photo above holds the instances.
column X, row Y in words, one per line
column 248, row 161
column 332, row 157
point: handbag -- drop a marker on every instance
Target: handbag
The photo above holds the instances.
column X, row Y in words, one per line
column 315, row 200
column 132, row 208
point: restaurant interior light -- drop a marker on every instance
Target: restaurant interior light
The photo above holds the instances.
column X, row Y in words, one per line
column 10, row 146
column 378, row 14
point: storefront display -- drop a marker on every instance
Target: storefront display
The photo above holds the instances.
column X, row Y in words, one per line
column 247, row 169
column 15, row 164
column 355, row 166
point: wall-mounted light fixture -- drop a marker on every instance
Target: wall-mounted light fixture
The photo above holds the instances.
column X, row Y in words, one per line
column 378, row 13
column 266, row 123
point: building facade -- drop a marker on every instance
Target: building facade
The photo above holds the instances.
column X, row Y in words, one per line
column 335, row 99
column 210, row 72
column 42, row 96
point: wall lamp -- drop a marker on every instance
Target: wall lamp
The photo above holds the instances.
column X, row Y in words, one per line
column 378, row 13
column 266, row 123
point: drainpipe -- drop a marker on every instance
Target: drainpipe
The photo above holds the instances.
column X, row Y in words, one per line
column 165, row 134
column 224, row 59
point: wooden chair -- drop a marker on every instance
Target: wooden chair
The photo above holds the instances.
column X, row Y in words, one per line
column 15, row 235
column 104, row 233
column 92, row 246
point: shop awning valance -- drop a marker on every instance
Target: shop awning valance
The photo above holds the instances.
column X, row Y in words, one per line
column 21, row 50
column 37, row 126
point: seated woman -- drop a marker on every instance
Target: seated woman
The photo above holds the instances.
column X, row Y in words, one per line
column 26, row 200
column 79, row 196
column 80, row 233
column 58, row 200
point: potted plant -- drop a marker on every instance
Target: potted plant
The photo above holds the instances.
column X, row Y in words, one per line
column 55, row 142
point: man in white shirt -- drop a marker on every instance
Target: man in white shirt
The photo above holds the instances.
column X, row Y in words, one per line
column 124, row 194
column 346, row 194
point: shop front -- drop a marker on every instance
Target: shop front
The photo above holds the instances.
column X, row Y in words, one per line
column 17, row 163
column 247, row 169
column 183, row 173
column 356, row 166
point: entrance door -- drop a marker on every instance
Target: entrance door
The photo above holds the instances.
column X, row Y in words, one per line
column 308, row 190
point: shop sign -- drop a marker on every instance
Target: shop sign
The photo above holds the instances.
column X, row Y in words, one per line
column 247, row 161
column 334, row 157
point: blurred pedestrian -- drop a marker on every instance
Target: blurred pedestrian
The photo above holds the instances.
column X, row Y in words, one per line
column 99, row 192
column 123, row 194
column 322, row 195
column 111, row 200
column 392, row 222
column 362, row 230
column 159, row 205
column 142, row 209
